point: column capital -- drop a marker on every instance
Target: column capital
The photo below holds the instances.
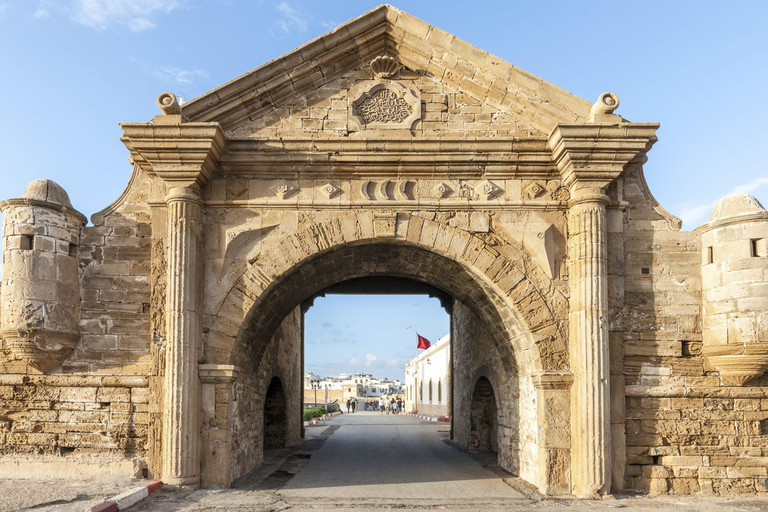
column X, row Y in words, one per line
column 592, row 155
column 181, row 153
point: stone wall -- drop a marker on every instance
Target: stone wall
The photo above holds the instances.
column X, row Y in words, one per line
column 73, row 419
column 685, row 431
column 474, row 349
column 115, row 259
column 247, row 420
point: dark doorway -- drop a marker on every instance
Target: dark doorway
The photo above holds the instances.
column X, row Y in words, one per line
column 483, row 435
column 274, row 415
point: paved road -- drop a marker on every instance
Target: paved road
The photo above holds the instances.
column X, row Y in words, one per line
column 399, row 457
column 365, row 461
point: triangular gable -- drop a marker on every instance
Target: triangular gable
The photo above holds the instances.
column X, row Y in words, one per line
column 417, row 45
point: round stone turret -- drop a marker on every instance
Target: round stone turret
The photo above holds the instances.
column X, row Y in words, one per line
column 735, row 289
column 40, row 315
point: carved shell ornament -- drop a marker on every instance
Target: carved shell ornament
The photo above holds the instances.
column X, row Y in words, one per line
column 385, row 66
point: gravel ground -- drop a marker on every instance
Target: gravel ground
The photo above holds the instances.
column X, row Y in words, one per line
column 57, row 495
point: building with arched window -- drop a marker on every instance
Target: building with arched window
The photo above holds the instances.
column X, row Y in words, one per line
column 430, row 370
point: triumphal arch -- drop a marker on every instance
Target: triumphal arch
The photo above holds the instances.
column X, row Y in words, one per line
column 166, row 339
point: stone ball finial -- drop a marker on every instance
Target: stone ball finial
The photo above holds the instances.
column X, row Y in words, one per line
column 384, row 66
column 169, row 104
column 603, row 108
column 47, row 191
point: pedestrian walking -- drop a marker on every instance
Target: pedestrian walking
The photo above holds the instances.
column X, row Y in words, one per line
column 349, row 403
column 381, row 406
column 354, row 404
column 387, row 405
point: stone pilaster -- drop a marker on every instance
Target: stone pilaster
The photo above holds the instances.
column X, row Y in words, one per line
column 181, row 423
column 184, row 155
column 217, row 399
column 554, row 435
column 588, row 334
column 590, row 157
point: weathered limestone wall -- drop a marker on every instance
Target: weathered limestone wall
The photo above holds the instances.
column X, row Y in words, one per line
column 476, row 356
column 280, row 359
column 685, row 431
column 96, row 403
column 115, row 259
column 72, row 420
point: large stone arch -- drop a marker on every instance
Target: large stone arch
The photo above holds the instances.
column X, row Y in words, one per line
column 514, row 303
column 504, row 292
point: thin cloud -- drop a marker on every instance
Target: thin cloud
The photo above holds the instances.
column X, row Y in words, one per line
column 693, row 215
column 370, row 359
column 353, row 361
column 42, row 12
column 752, row 186
column 176, row 76
column 293, row 19
column 3, row 8
column 134, row 14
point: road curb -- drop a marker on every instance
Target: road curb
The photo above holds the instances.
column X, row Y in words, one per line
column 424, row 417
column 126, row 499
column 315, row 421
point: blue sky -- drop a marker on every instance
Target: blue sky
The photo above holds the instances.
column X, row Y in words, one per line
column 71, row 70
column 369, row 333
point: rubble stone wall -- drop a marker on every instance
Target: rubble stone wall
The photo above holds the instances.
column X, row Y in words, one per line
column 70, row 416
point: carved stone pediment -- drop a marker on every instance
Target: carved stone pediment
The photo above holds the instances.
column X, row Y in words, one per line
column 383, row 105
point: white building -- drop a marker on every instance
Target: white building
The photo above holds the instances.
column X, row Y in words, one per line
column 428, row 380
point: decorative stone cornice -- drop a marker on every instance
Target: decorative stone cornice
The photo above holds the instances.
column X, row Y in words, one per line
column 502, row 158
column 177, row 151
column 552, row 380
column 593, row 155
column 217, row 373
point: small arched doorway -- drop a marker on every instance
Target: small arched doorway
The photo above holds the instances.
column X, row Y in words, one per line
column 275, row 415
column 483, row 434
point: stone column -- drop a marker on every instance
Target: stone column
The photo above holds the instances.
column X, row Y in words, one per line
column 588, row 335
column 185, row 156
column 181, row 425
column 590, row 157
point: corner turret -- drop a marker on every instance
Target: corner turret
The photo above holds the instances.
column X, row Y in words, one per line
column 734, row 271
column 40, row 315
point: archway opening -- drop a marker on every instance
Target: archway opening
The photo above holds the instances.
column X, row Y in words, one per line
column 361, row 349
column 486, row 332
column 484, row 421
column 275, row 415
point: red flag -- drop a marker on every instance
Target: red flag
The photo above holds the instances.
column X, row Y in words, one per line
column 423, row 342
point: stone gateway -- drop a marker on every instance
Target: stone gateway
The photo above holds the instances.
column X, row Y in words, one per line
column 595, row 345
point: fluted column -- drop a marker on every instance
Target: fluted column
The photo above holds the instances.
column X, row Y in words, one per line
column 181, row 425
column 588, row 334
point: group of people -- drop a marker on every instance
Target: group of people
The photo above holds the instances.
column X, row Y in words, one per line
column 387, row 406
column 384, row 405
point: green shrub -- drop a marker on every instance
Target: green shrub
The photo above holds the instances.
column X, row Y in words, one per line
column 313, row 412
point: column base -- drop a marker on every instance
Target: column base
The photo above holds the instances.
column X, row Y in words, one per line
column 189, row 483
